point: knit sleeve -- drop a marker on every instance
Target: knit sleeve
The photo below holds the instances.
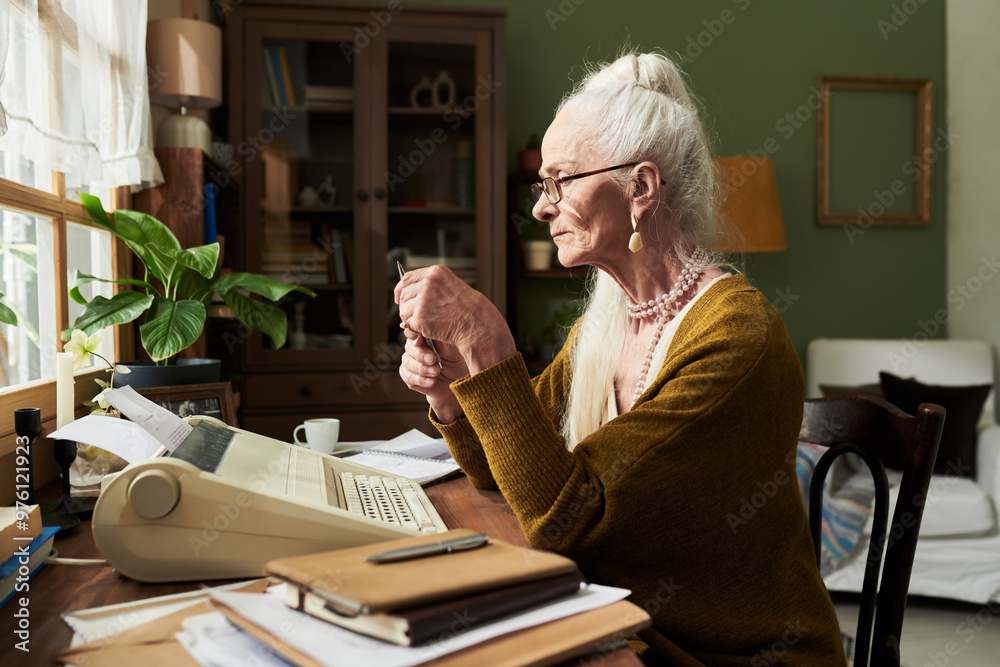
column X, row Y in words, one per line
column 463, row 441
column 566, row 500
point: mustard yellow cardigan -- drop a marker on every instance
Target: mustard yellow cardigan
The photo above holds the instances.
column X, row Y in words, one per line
column 690, row 499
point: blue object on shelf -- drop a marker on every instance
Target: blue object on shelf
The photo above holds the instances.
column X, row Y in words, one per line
column 211, row 233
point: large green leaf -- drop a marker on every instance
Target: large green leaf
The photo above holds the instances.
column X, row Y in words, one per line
column 171, row 326
column 266, row 286
column 204, row 259
column 143, row 233
column 259, row 315
column 82, row 279
column 161, row 263
column 26, row 252
column 95, row 211
column 145, row 229
column 7, row 315
column 193, row 285
column 26, row 326
column 103, row 312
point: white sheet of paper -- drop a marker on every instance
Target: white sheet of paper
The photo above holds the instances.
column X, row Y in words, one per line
column 318, row 638
column 169, row 429
column 118, row 436
column 212, row 641
column 91, row 624
column 415, row 443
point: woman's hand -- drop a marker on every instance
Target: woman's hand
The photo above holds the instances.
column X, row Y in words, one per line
column 420, row 371
column 436, row 303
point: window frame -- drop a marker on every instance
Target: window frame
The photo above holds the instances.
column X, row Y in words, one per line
column 57, row 207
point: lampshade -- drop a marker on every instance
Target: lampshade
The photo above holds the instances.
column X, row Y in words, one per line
column 750, row 206
column 185, row 63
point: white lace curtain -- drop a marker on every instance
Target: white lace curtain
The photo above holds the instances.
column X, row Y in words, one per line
column 73, row 89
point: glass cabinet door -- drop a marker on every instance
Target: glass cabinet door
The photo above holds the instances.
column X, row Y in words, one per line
column 302, row 162
column 431, row 148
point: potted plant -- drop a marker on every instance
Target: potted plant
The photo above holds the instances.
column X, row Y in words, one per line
column 529, row 160
column 7, row 316
column 174, row 292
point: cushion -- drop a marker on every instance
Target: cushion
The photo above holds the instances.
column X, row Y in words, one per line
column 956, row 506
column 957, row 452
column 836, row 391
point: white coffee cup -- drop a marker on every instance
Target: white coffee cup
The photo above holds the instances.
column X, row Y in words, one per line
column 321, row 434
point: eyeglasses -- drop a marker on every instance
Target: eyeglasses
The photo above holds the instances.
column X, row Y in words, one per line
column 551, row 186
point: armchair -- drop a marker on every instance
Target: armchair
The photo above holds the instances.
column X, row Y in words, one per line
column 958, row 554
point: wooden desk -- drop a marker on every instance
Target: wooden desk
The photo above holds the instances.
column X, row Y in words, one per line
column 61, row 588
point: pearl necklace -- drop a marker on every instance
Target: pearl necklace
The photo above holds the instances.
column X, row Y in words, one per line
column 662, row 310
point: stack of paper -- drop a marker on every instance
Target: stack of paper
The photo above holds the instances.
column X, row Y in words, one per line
column 414, row 455
column 238, row 628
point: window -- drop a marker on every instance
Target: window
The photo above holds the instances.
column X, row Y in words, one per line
column 74, row 116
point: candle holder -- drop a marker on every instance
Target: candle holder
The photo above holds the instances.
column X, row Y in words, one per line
column 28, row 424
column 67, row 505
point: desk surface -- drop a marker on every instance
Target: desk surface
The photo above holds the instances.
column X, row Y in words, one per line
column 60, row 588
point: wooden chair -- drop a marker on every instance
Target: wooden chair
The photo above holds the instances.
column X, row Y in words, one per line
column 878, row 432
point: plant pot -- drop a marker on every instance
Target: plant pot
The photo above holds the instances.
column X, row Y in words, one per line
column 186, row 371
column 538, row 255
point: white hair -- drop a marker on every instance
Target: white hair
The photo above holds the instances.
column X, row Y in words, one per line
column 637, row 109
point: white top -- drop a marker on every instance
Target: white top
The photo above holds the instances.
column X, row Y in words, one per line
column 668, row 335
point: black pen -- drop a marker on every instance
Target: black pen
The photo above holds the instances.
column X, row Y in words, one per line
column 447, row 546
column 404, row 325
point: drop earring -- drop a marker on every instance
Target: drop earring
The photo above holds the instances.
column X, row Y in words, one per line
column 635, row 241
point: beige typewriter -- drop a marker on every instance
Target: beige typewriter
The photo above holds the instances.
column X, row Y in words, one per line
column 226, row 501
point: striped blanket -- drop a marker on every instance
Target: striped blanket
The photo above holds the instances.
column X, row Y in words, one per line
column 846, row 507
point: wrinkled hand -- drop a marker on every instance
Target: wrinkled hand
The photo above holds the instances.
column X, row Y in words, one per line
column 420, row 372
column 469, row 332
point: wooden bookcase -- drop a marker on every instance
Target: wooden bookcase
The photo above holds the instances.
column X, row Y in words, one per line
column 324, row 94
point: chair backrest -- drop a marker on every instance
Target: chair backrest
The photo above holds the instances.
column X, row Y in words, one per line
column 878, row 431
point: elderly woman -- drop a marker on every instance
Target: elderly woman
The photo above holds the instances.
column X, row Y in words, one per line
column 673, row 407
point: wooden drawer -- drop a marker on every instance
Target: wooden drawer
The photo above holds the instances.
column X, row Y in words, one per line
column 300, row 390
column 354, row 425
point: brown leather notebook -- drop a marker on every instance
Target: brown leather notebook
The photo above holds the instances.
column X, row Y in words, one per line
column 546, row 644
column 345, row 576
column 419, row 624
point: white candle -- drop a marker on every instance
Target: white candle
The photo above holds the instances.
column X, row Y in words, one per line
column 64, row 388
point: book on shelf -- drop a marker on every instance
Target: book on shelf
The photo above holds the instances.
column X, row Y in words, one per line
column 329, row 94
column 337, row 262
column 286, row 75
column 18, row 526
column 291, row 253
column 348, row 243
column 272, row 81
column 12, row 579
column 411, row 601
column 300, row 278
column 279, row 79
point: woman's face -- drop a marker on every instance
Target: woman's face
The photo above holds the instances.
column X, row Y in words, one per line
column 590, row 225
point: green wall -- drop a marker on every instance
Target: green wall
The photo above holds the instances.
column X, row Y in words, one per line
column 758, row 68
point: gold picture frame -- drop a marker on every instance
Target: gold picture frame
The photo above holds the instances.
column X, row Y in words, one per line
column 214, row 399
column 867, row 213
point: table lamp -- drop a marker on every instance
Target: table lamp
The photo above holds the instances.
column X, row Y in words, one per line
column 751, row 209
column 185, row 64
